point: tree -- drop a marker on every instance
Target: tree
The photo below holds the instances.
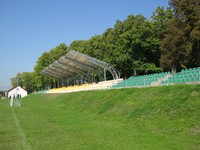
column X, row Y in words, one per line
column 57, row 52
column 42, row 80
column 187, row 12
column 180, row 45
column 77, row 45
column 130, row 46
column 45, row 60
column 175, row 48
column 160, row 19
column 25, row 80
column 141, row 44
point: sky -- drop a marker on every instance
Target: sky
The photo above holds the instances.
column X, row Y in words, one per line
column 29, row 28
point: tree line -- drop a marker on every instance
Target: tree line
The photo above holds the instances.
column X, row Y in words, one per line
column 135, row 46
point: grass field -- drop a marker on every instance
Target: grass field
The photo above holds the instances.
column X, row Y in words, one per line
column 159, row 118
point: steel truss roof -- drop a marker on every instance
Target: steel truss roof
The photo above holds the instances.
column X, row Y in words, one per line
column 76, row 63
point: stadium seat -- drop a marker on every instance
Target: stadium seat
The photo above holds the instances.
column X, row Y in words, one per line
column 190, row 75
column 141, row 81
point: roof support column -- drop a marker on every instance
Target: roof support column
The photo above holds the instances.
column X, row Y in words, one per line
column 104, row 74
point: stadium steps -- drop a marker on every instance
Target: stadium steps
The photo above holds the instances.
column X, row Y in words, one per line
column 189, row 76
column 143, row 81
column 167, row 76
column 103, row 84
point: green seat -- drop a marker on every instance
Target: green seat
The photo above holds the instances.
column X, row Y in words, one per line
column 162, row 82
column 182, row 80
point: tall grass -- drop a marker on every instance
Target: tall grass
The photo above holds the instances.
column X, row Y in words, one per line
column 161, row 118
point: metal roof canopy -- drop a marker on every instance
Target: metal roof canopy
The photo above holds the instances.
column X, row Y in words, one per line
column 76, row 63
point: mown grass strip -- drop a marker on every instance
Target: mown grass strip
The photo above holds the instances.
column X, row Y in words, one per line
column 25, row 144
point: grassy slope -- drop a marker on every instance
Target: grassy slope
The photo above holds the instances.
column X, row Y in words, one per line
column 150, row 118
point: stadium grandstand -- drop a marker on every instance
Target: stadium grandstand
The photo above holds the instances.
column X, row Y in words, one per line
column 81, row 68
column 186, row 76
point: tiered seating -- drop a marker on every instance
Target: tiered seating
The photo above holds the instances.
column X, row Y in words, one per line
column 103, row 84
column 191, row 75
column 68, row 89
column 139, row 81
column 84, row 87
column 41, row 92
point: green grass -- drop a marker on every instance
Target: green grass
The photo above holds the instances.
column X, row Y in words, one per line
column 159, row 118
